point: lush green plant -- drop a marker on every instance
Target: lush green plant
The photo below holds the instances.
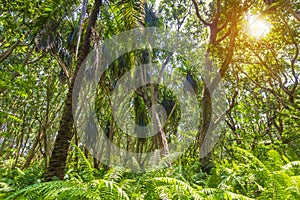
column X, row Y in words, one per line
column 275, row 177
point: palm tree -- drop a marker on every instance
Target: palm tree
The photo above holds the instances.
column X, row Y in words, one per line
column 130, row 15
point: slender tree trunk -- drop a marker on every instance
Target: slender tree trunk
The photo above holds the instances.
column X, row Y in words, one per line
column 33, row 148
column 110, row 139
column 59, row 155
column 20, row 139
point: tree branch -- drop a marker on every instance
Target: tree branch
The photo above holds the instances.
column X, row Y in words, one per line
column 218, row 14
column 198, row 14
column 224, row 36
column 7, row 53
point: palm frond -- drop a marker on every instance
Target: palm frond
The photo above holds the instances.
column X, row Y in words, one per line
column 130, row 13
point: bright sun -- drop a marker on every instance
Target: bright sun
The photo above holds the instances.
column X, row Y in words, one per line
column 257, row 27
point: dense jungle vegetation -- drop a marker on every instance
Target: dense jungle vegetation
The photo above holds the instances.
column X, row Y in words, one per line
column 240, row 139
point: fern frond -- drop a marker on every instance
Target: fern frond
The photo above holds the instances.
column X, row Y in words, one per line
column 115, row 174
column 96, row 189
column 105, row 184
column 214, row 193
column 253, row 159
column 84, row 164
column 179, row 186
column 4, row 187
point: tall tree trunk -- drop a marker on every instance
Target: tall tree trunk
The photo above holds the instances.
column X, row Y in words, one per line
column 59, row 155
column 211, row 83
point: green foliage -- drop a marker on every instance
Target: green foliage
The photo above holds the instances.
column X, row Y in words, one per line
column 259, row 179
column 12, row 180
column 243, row 178
column 84, row 171
column 258, row 154
column 73, row 189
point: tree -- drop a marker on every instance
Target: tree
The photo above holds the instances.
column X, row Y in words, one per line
column 59, row 153
column 223, row 29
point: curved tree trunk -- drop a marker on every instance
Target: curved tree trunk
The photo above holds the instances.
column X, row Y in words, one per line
column 211, row 83
column 59, row 155
column 208, row 89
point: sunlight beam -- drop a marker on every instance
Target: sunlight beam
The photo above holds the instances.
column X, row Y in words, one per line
column 257, row 27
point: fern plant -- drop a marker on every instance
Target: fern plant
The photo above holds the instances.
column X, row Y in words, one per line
column 71, row 189
column 249, row 176
column 81, row 183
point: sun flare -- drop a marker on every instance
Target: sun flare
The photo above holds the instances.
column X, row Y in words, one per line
column 258, row 27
